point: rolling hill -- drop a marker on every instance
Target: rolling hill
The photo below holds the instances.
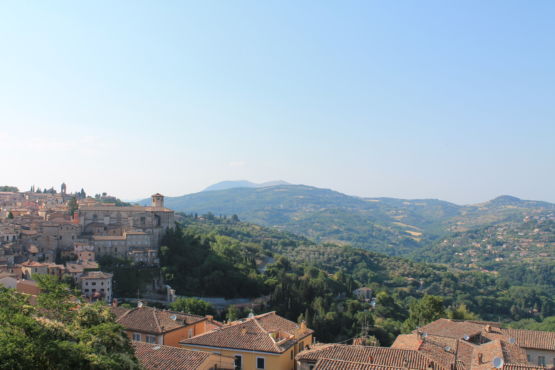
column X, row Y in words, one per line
column 388, row 225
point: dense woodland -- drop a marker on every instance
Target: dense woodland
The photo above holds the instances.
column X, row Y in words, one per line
column 221, row 256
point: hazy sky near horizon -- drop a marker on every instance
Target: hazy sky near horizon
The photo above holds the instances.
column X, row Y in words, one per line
column 411, row 99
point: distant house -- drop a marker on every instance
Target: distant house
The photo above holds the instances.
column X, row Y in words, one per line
column 363, row 293
column 263, row 342
column 152, row 325
column 157, row 356
column 97, row 285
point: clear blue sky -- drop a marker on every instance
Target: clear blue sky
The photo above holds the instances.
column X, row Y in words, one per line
column 415, row 99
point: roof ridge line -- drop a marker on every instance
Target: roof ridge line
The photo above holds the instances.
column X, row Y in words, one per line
column 156, row 320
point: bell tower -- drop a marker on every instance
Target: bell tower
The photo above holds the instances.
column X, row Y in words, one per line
column 63, row 189
column 158, row 200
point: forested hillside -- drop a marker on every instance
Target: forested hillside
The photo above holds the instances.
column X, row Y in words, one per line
column 387, row 225
column 317, row 280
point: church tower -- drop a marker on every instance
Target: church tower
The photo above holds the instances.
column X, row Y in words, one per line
column 158, row 200
column 63, row 189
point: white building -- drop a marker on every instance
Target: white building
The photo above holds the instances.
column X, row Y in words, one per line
column 97, row 285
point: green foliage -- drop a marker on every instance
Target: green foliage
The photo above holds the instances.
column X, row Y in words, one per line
column 547, row 324
column 10, row 215
column 86, row 337
column 423, row 311
column 460, row 312
column 207, row 265
column 129, row 279
column 8, row 188
column 192, row 306
column 72, row 206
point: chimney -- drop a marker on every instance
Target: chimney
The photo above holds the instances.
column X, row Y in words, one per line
column 114, row 302
column 303, row 326
column 488, row 328
column 209, row 317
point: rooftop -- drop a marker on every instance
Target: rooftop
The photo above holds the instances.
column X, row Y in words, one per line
column 155, row 356
column 266, row 333
column 152, row 320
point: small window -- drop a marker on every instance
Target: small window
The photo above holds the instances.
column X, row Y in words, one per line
column 150, row 339
column 191, row 332
column 260, row 363
column 291, row 354
column 541, row 360
column 528, row 358
column 137, row 336
column 238, row 362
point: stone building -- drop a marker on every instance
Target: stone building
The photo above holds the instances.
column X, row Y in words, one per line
column 110, row 220
column 97, row 285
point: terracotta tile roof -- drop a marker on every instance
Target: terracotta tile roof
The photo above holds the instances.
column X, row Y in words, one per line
column 254, row 334
column 452, row 328
column 532, row 339
column 152, row 320
column 524, row 367
column 383, row 356
column 329, row 364
column 169, row 358
column 97, row 275
column 33, row 264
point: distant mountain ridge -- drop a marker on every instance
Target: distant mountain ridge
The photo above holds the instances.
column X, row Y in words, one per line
column 223, row 185
column 388, row 225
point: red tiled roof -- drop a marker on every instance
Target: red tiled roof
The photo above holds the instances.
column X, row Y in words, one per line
column 532, row 339
column 154, row 356
column 152, row 320
column 329, row 364
column 383, row 356
column 254, row 334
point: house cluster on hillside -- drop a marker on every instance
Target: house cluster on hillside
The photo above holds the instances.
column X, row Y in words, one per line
column 173, row 340
column 64, row 234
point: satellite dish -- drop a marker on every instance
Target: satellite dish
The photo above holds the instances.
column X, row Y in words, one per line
column 498, row 362
column 173, row 317
column 156, row 348
column 140, row 304
column 447, row 348
column 251, row 315
column 512, row 340
column 466, row 337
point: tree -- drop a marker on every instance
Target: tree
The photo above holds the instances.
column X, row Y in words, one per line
column 423, row 311
column 192, row 306
column 232, row 313
column 10, row 215
column 460, row 312
column 72, row 206
column 88, row 338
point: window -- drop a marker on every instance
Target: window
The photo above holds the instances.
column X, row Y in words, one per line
column 238, row 362
column 529, row 358
column 291, row 354
column 191, row 332
column 150, row 339
column 260, row 363
column 137, row 336
column 541, row 360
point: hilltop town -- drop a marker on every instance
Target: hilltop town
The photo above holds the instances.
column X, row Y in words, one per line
column 63, row 234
